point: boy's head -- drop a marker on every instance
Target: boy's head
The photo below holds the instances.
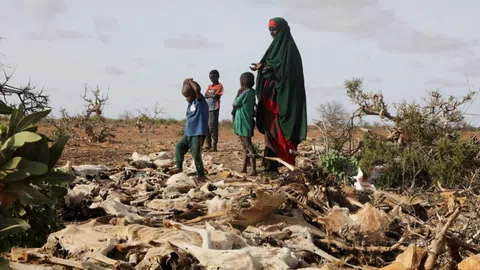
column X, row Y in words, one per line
column 247, row 80
column 188, row 92
column 214, row 76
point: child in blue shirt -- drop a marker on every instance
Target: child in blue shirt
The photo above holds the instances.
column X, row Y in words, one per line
column 196, row 128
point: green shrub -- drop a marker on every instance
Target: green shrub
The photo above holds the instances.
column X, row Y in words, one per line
column 338, row 165
column 425, row 146
column 29, row 184
column 225, row 123
column 447, row 161
column 57, row 133
column 453, row 160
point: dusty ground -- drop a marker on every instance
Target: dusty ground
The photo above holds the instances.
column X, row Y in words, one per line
column 128, row 140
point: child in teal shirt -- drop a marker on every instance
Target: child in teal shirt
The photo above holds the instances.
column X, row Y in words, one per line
column 244, row 106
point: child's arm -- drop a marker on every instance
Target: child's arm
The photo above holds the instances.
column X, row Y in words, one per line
column 240, row 100
column 208, row 95
column 233, row 104
column 198, row 90
column 218, row 94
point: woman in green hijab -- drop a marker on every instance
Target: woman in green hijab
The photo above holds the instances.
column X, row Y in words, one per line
column 282, row 106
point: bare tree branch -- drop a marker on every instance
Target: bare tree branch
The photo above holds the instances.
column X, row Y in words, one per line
column 31, row 99
column 96, row 104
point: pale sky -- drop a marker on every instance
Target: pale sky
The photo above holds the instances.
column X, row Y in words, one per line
column 142, row 52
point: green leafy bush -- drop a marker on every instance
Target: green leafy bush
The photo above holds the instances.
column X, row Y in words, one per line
column 29, row 184
column 338, row 165
column 424, row 146
column 453, row 160
column 448, row 161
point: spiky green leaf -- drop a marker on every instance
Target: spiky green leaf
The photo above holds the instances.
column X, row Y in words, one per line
column 37, row 151
column 18, row 169
column 19, row 139
column 9, row 226
column 23, row 164
column 13, row 176
column 29, row 195
column 30, row 120
column 15, row 118
column 54, row 178
column 5, row 109
column 56, row 151
column 33, row 129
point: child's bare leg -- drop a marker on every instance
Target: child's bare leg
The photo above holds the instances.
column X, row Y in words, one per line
column 251, row 150
column 245, row 156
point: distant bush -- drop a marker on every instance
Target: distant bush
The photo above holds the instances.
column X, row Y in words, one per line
column 225, row 123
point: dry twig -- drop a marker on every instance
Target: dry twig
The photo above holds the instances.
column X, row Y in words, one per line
column 438, row 244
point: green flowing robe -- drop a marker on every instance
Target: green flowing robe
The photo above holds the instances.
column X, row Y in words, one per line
column 283, row 56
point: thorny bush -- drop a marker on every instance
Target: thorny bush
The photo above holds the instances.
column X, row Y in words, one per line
column 424, row 146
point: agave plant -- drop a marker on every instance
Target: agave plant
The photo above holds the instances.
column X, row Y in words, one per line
column 27, row 163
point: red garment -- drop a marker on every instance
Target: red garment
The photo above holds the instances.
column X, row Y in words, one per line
column 216, row 89
column 274, row 138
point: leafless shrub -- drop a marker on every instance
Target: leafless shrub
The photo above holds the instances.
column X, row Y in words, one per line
column 126, row 116
column 65, row 125
column 98, row 131
column 338, row 128
column 146, row 120
column 333, row 114
column 96, row 104
column 96, row 128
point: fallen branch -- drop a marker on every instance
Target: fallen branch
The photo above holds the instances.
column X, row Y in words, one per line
column 83, row 265
column 372, row 249
column 206, row 217
column 437, row 245
column 279, row 160
column 313, row 211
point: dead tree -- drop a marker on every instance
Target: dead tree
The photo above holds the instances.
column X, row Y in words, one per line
column 31, row 99
column 96, row 104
